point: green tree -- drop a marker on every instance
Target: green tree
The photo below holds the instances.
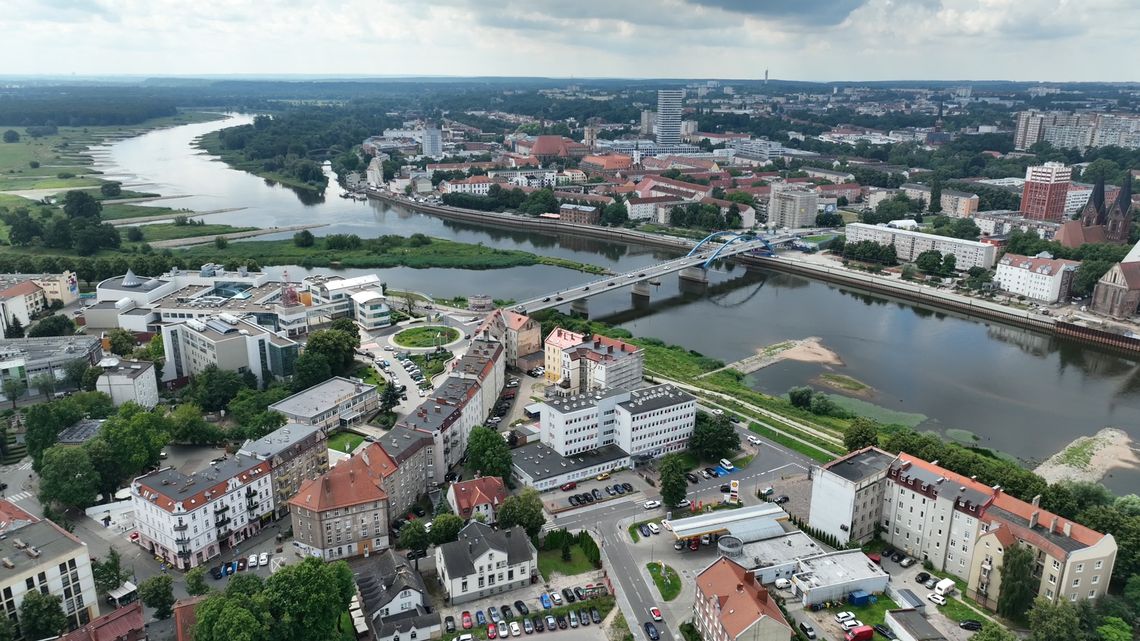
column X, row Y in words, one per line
column 307, row 599
column 187, row 425
column 488, row 453
column 109, row 573
column 67, row 477
column 54, row 325
column 1132, row 591
column 445, row 528
column 15, row 329
column 111, row 189
column 1102, row 169
column 74, row 371
column 801, row 397
column 442, row 507
column 713, row 438
column 390, row 398
column 929, row 261
column 304, row 238
column 44, row 384
column 414, row 535
column 43, row 424
column 1128, row 505
column 196, row 581
column 220, row 242
column 214, row 388
column 1051, row 622
column 11, row 135
column 523, row 509
column 993, row 632
column 224, row 618
column 41, row 615
column 311, row 368
column 1114, row 629
column 862, row 432
column 122, row 341
column 1018, row 585
column 348, row 326
column 336, row 346
column 7, row 630
column 672, row 479
column 615, row 214
column 935, row 196
column 80, row 204
column 566, row 556
column 91, row 379
column 949, row 265
column 157, row 593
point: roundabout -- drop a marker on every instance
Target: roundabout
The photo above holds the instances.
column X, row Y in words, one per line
column 425, row 336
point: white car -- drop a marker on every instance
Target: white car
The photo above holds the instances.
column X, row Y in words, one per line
column 718, row 412
column 844, row 616
column 936, row 599
column 649, row 505
column 851, row 624
column 263, row 559
column 755, row 440
column 684, row 503
column 516, row 631
column 252, row 561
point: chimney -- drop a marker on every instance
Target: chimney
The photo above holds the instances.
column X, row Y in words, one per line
column 1053, row 524
column 1068, row 529
column 1037, row 501
column 739, row 587
column 1033, row 519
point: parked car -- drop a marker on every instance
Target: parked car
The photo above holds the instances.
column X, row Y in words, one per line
column 755, row 440
column 726, row 488
column 850, row 624
column 506, row 612
column 619, row 489
column 556, row 599
column 253, row 561
column 527, row 626
column 644, row 530
column 465, row 620
column 568, row 595
column 241, row 565
column 493, row 612
column 589, row 498
column 449, row 623
column 694, row 545
column 584, row 616
column 561, row 621
column 597, row 494
column 504, row 631
column 970, row 624
column 539, row 625
column 651, row 631
column 684, row 503
column 807, row 629
column 888, row 552
column 595, row 615
column 579, row 593
column 930, row 583
column 492, row 631
column 574, row 500
column 678, row 545
column 604, row 476
column 907, row 562
column 544, row 599
column 782, row 499
column 897, row 557
column 610, row 490
column 628, row 487
column 885, row 631
column 480, row 618
column 922, row 577
column 573, row 617
column 651, row 505
column 522, row 609
column 844, row 616
column 711, row 473
column 412, row 555
column 692, row 477
column 516, row 629
column 654, row 528
column 217, row 572
column 726, row 465
column 936, row 599
column 263, row 558
column 551, row 623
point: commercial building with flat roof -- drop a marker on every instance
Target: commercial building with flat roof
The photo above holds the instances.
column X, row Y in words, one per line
column 847, row 495
column 832, row 576
column 27, row 358
column 128, row 382
column 43, row 556
column 911, row 625
column 229, row 343
column 537, row 465
column 337, row 402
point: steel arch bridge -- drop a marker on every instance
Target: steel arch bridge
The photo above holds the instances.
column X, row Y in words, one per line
column 735, row 237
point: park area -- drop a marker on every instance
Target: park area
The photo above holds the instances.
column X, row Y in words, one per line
column 430, row 336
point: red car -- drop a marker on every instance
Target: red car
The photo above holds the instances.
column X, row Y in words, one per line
column 467, row 623
column 694, row 544
column 655, row 613
column 492, row 631
column 566, row 487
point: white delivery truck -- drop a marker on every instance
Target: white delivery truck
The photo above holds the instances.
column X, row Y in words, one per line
column 945, row 587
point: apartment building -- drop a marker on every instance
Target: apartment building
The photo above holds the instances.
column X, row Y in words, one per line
column 792, row 206
column 579, row 214
column 229, row 343
column 447, row 416
column 558, row 341
column 520, row 335
column 847, row 493
column 475, row 185
column 669, row 109
column 600, row 362
column 62, row 287
column 188, row 519
column 395, row 599
column 481, row 496
column 39, row 555
column 411, row 453
column 1046, row 191
column 731, row 605
column 644, row 422
column 837, row 177
column 485, row 364
column 128, row 382
column 485, row 561
column 335, row 403
column 22, row 302
column 27, row 358
column 997, row 223
column 909, row 244
column 1039, row 277
column 961, row 526
column 295, row 453
column 960, row 204
column 344, row 512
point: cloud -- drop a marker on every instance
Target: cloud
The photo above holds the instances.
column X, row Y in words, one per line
column 804, row 12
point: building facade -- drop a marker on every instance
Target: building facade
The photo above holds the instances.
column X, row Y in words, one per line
column 669, row 108
column 1045, row 192
column 395, row 599
column 229, row 343
column 485, row 561
column 410, row 453
column 909, row 244
column 296, row 453
column 344, row 512
column 1040, row 277
column 478, row 497
column 128, row 382
column 731, row 605
column 335, row 403
column 21, row 302
column 847, row 495
column 792, row 207
column 600, row 362
column 579, row 214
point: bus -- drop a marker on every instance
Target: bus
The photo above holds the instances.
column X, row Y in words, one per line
column 122, row 595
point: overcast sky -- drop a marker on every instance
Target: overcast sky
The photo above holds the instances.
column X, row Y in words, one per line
column 1061, row 40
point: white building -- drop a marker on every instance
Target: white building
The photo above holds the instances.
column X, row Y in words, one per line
column 128, row 381
column 831, row 577
column 228, row 342
column 432, row 142
column 842, row 488
column 600, row 363
column 447, row 416
column 337, row 402
column 909, row 244
column 476, row 185
column 21, row 302
column 792, row 207
column 186, row 520
column 669, row 108
column 485, row 561
column 40, row 555
column 1077, row 197
column 395, row 599
column 994, row 223
column 1040, row 277
column 360, row 298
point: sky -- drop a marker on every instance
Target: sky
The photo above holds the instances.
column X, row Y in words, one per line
column 813, row 40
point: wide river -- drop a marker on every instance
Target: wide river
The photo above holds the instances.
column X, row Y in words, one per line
column 1021, row 392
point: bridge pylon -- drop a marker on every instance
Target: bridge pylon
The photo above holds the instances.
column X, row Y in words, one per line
column 696, row 274
column 580, row 307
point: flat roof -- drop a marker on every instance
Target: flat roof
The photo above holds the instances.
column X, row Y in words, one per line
column 861, row 464
column 62, row 348
column 580, row 402
column 278, row 440
column 721, row 520
column 914, row 624
column 838, row 567
column 539, row 461
column 320, row 397
column 654, row 398
column 48, row 538
column 777, row 550
column 134, row 283
column 83, row 430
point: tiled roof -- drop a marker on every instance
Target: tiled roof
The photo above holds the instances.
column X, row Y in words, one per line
column 481, row 491
column 117, row 624
column 1074, row 234
column 742, row 600
column 1038, row 265
column 23, row 289
column 185, row 616
column 609, row 162
column 475, row 539
column 563, row 338
column 351, row 482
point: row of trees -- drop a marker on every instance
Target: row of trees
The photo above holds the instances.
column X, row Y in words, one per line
column 705, row 216
column 80, row 229
column 816, row 402
column 867, row 251
column 713, row 438
column 523, row 509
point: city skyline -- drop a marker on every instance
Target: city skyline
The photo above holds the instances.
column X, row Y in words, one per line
column 813, row 41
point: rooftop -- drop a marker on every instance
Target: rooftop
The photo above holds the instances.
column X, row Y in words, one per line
column 742, row 600
column 351, row 482
column 54, row 348
column 321, row 397
column 539, row 461
column 130, row 283
column 443, row 408
column 1038, row 264
column 20, row 289
column 168, row 487
column 116, row 366
column 82, row 431
column 113, row 626
column 401, row 442
column 475, row 539
column 914, row 624
column 723, row 520
column 791, row 546
column 35, row 544
column 861, row 464
column 479, row 491
column 278, row 441
column 836, row 568
column 921, row 475
column 654, row 398
column 578, row 402
column 13, row 517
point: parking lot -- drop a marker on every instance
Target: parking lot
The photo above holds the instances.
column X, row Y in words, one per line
column 530, row 597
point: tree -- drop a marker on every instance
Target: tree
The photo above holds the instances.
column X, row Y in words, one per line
column 336, row 346
column 1114, row 629
column 67, row 477
column 220, row 242
column 390, row 398
column 54, row 325
column 863, row 432
column 122, row 341
column 523, row 509
column 936, row 196
column 14, row 387
column 196, row 581
column 308, row 598
column 801, row 397
column 11, row 135
column 445, row 528
column 414, row 535
column 488, row 453
column 214, row 388
column 615, row 214
column 7, row 630
column 74, row 372
column 1050, row 622
column 15, row 329
column 157, row 593
column 949, row 265
column 80, row 204
column 929, row 261
column 348, row 326
column 111, row 189
column 828, row 219
column 312, row 368
column 1018, row 586
column 109, row 573
column 1132, row 591
column 41, row 615
column 44, row 384
column 566, row 556
column 91, row 379
column 223, row 618
column 672, row 479
column 713, row 438
column 993, row 632
column 1129, row 505
column 304, row 238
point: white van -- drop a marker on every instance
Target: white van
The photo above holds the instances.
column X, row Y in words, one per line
column 727, row 465
column 783, row 584
column 945, row 587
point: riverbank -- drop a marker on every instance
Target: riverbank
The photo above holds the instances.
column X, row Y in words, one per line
column 211, row 143
column 234, row 233
column 395, row 251
column 1090, row 458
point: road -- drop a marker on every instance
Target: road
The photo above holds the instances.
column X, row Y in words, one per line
column 625, row 562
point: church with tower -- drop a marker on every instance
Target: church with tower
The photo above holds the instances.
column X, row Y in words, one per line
column 1100, row 222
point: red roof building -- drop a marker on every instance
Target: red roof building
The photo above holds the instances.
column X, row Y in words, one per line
column 123, row 624
column 480, row 496
column 731, row 604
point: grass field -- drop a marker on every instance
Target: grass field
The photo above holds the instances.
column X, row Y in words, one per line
column 550, row 563
column 345, row 441
column 118, row 211
column 169, row 231
column 429, row 336
column 872, row 614
column 666, row 579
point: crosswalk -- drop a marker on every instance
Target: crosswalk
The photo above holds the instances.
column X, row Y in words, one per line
column 19, row 496
column 26, row 465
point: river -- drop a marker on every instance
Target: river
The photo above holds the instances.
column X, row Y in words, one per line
column 1020, row 392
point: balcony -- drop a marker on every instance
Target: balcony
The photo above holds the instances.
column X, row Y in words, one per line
column 181, row 527
column 252, row 505
column 222, row 522
column 182, row 540
column 185, row 554
column 221, row 508
column 249, row 491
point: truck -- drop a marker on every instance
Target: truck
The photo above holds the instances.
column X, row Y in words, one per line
column 861, row 633
column 945, row 587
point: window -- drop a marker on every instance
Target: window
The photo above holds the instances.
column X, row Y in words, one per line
column 1080, row 567
column 1096, row 579
column 1076, row 583
column 1099, row 565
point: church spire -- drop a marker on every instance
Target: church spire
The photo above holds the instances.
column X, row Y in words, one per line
column 1093, row 213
